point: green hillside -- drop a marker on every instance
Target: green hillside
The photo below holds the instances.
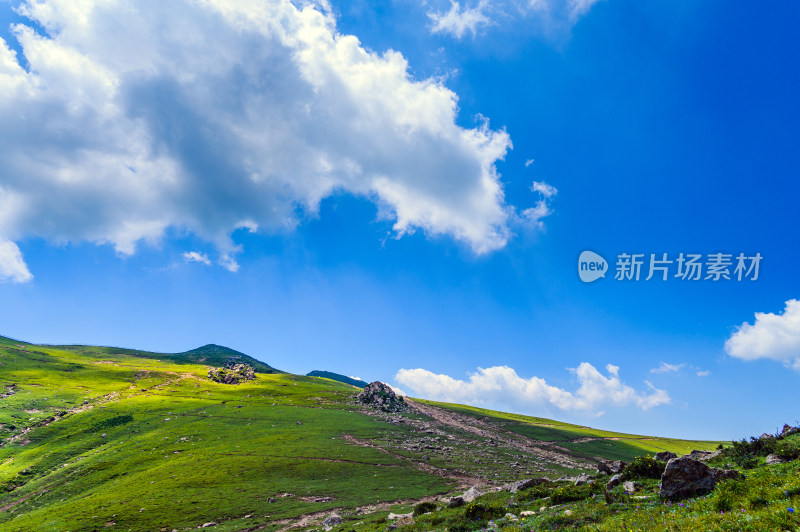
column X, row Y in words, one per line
column 336, row 377
column 101, row 438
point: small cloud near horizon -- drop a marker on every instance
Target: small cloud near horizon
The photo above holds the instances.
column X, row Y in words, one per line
column 501, row 385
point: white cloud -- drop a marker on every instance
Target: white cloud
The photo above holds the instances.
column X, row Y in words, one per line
column 548, row 191
column 703, row 373
column 546, row 16
column 529, row 162
column 12, row 265
column 533, row 216
column 130, row 118
column 398, row 391
column 771, row 336
column 458, row 22
column 196, row 256
column 501, row 385
column 667, row 368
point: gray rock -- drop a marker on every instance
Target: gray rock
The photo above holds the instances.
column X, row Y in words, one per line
column 471, row 494
column 665, row 456
column 393, row 516
column 614, row 482
column 788, row 430
column 206, row 525
column 583, row 478
column 332, row 520
column 456, row 501
column 381, row 396
column 773, row 459
column 611, row 467
column 630, row 487
column 685, row 477
column 520, row 485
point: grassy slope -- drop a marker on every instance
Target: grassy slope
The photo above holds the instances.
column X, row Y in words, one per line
column 582, row 441
column 100, row 436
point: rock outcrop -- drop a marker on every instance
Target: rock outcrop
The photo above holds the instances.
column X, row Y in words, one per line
column 381, row 396
column 611, row 467
column 520, row 485
column 235, row 374
column 665, row 456
column 685, row 477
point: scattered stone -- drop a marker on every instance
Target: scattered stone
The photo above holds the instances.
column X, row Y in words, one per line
column 630, row 487
column 527, row 513
column 773, row 459
column 404, row 521
column 583, row 478
column 788, row 430
column 567, row 512
column 456, row 501
column 665, row 456
column 332, row 520
column 614, row 482
column 381, row 396
column 299, row 423
column 520, row 485
column 206, row 525
column 684, row 477
column 510, row 517
column 235, row 374
column 611, row 467
column 271, row 500
column 471, row 494
column 393, row 516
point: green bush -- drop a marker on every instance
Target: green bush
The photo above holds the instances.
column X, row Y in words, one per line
column 643, row 467
column 571, row 493
column 424, row 508
column 788, row 449
column 727, row 494
column 479, row 511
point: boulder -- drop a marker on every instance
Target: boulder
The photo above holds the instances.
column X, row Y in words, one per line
column 393, row 516
column 527, row 513
column 611, row 467
column 773, row 459
column 665, row 456
column 332, row 520
column 583, row 478
column 381, row 396
column 456, row 501
column 788, row 430
column 614, row 481
column 235, row 374
column 685, row 477
column 520, row 485
column 630, row 487
column 471, row 494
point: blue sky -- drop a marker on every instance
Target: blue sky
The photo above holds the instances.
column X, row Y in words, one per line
column 254, row 176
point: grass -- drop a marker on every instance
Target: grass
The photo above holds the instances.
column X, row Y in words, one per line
column 104, row 438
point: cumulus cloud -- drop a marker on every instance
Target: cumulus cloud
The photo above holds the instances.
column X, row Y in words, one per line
column 457, row 21
column 196, row 256
column 129, row 118
column 771, row 336
column 12, row 265
column 501, row 385
column 667, row 368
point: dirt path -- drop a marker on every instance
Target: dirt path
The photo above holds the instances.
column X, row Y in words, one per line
column 545, row 450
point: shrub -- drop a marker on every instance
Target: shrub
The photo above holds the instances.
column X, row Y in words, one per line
column 788, row 449
column 643, row 467
column 424, row 508
column 571, row 493
column 481, row 511
column 727, row 494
